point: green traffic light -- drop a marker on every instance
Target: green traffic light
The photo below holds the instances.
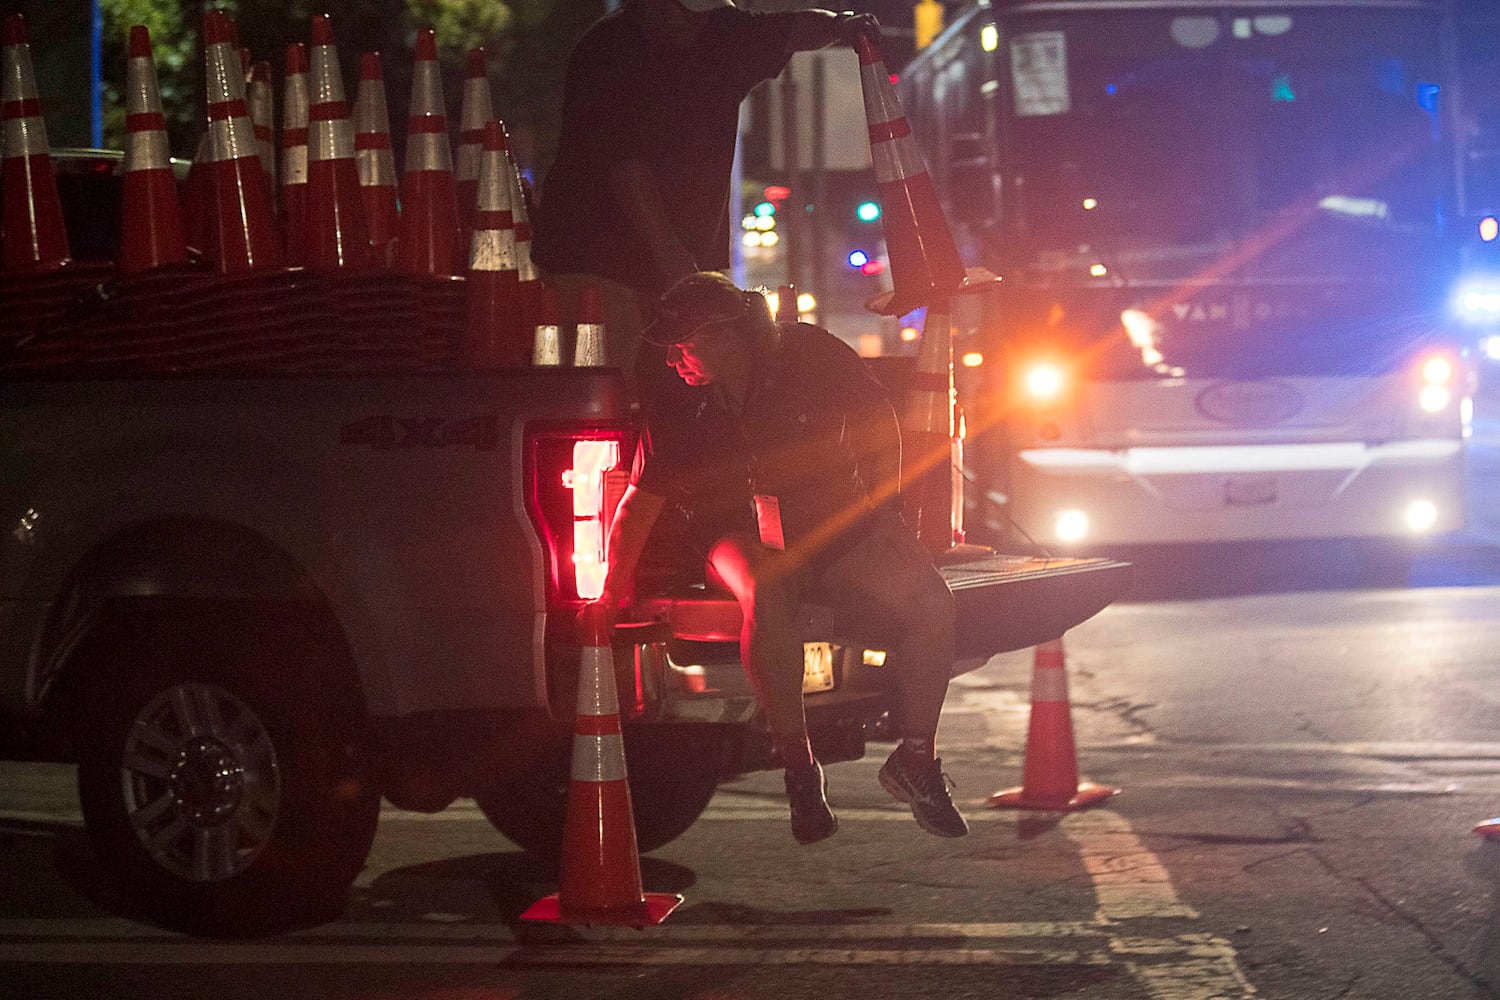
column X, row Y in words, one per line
column 765, row 209
column 868, row 211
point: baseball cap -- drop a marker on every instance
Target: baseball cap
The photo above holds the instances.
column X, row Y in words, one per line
column 697, row 301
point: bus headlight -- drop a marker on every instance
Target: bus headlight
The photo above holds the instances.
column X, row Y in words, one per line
column 1421, row 515
column 1434, row 398
column 1072, row 526
column 1438, row 371
column 1043, row 382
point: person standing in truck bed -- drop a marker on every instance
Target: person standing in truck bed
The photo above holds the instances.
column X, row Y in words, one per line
column 638, row 195
column 785, row 452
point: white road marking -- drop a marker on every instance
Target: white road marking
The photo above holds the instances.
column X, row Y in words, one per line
column 114, row 941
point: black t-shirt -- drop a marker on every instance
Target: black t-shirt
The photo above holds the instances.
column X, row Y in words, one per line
column 677, row 111
column 808, row 434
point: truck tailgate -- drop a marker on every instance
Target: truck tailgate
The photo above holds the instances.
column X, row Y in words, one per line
column 1007, row 602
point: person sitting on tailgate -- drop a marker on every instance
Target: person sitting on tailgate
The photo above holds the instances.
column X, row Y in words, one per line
column 785, row 453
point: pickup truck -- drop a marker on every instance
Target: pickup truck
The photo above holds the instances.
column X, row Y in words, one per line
column 270, row 555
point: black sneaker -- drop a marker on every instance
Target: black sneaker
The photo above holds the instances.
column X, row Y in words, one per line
column 923, row 785
column 806, row 791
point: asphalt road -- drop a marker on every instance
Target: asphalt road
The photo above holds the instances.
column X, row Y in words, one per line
column 1301, row 755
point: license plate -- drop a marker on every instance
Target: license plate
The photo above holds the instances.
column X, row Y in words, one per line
column 817, row 667
column 1250, row 491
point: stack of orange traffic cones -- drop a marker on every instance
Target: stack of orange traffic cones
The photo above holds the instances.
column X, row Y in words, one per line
column 32, row 220
column 477, row 110
column 337, row 236
column 377, row 164
column 925, row 267
column 927, row 436
column 601, row 867
column 547, row 344
column 1050, row 774
column 242, row 226
column 294, row 153
column 151, row 232
column 494, row 335
column 588, row 348
column 429, row 209
column 263, row 118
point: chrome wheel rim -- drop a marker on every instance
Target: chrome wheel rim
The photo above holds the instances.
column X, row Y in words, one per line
column 201, row 782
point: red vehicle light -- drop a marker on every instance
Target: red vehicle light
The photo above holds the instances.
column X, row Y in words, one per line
column 576, row 477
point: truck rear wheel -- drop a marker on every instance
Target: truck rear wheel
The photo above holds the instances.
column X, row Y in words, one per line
column 673, row 773
column 221, row 776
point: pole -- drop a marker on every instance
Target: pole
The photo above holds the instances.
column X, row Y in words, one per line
column 791, row 226
column 818, row 227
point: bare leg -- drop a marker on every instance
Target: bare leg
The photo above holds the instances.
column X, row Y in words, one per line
column 770, row 648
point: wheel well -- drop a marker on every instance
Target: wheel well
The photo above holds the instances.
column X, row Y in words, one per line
column 211, row 572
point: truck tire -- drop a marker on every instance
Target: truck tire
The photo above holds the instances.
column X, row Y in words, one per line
column 673, row 773
column 221, row 774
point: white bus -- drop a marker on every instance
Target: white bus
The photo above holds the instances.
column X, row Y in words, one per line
column 1228, row 238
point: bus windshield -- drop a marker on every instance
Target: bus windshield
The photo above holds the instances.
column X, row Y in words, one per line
column 1284, row 143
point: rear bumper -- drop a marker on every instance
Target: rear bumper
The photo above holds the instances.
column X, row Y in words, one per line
column 1262, row 492
column 684, row 666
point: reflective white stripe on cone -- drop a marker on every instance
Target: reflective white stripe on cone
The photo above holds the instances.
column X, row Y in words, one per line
column 547, row 347
column 601, row 868
column 151, row 232
column 1050, row 773
column 588, row 348
column 31, row 219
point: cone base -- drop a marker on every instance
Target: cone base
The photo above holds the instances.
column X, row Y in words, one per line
column 1087, row 795
column 1489, row 829
column 886, row 303
column 653, row 908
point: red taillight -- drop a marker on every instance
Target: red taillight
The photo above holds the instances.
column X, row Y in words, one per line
column 576, row 477
column 591, row 460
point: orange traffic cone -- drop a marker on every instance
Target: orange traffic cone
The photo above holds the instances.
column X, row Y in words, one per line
column 337, row 235
column 925, row 267
column 429, row 211
column 494, row 335
column 242, row 227
column 588, row 348
column 294, row 153
column 786, row 304
column 1050, row 775
column 477, row 110
column 32, row 220
column 547, row 345
column 263, row 119
column 151, row 232
column 377, row 164
column 927, row 436
column 601, row 867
